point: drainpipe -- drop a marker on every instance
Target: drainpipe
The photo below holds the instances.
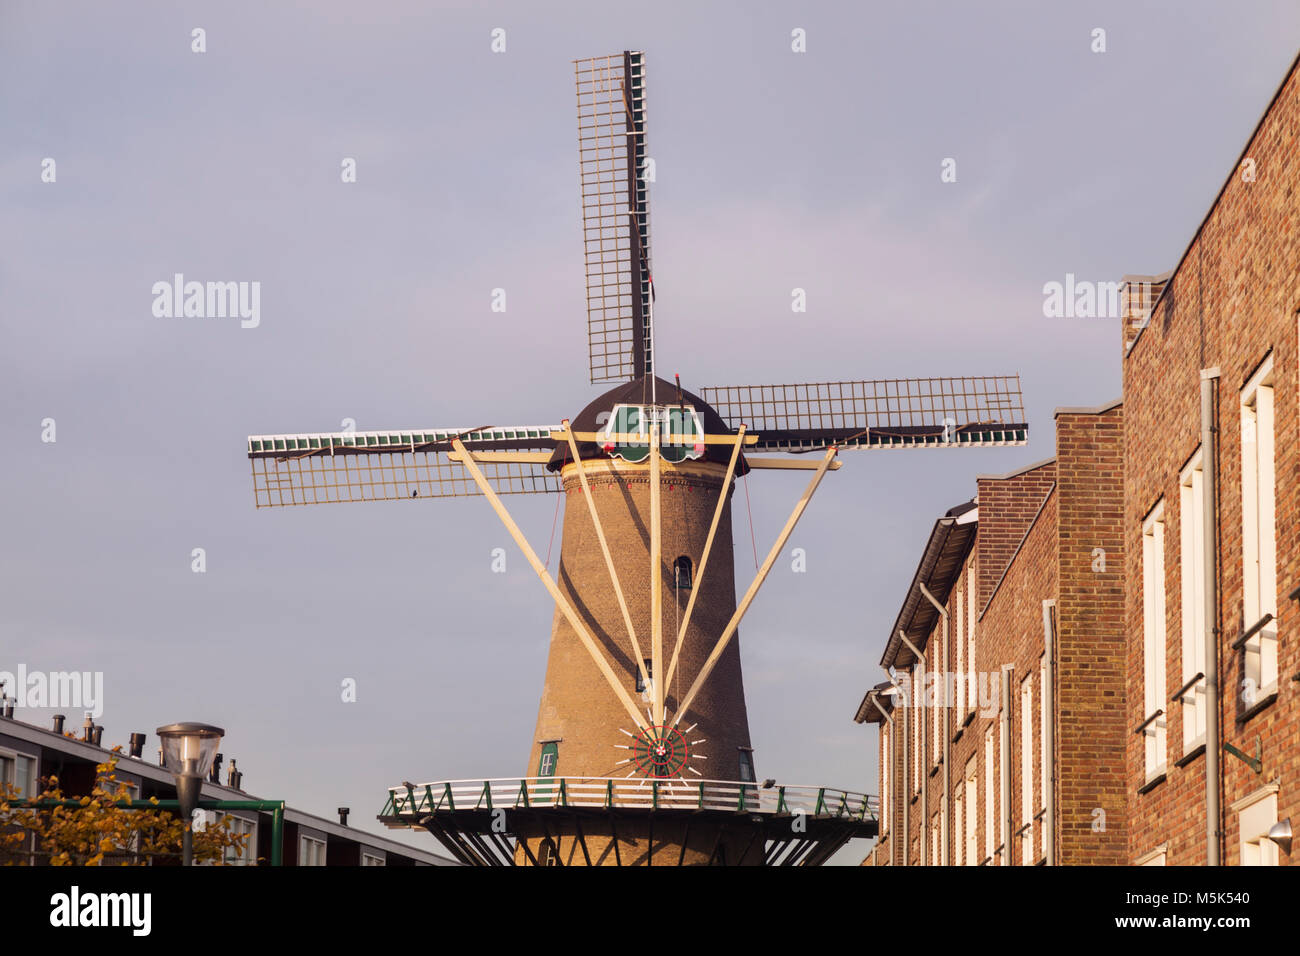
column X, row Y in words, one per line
column 919, row 682
column 893, row 794
column 944, row 803
column 907, row 791
column 1049, row 733
column 1005, row 760
column 1209, row 457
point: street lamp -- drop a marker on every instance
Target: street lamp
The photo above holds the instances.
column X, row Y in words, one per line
column 188, row 750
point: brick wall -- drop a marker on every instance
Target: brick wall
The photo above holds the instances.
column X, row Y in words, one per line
column 1231, row 300
column 1010, row 632
column 1090, row 654
column 1007, row 506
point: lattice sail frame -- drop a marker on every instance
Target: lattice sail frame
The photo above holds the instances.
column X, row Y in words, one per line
column 615, row 216
column 331, row 468
column 881, row 413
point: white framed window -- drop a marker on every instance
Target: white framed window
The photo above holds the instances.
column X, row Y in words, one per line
column 248, row 855
column 311, row 851
column 990, row 796
column 914, row 693
column 1027, row 770
column 972, row 812
column 1259, row 532
column 747, row 764
column 934, row 840
column 938, row 710
column 970, row 639
column 959, row 609
column 372, row 859
column 1255, row 814
column 1191, row 523
column 1156, row 857
column 958, row 805
column 1044, row 759
column 1153, row 640
column 18, row 770
column 886, row 773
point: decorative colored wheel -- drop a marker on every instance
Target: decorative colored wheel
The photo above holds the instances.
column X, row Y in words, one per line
column 660, row 751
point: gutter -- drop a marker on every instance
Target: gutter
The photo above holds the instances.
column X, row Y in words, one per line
column 893, row 796
column 1210, row 538
column 1004, row 758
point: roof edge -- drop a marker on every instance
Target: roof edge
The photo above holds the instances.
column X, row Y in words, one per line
column 1080, row 410
column 1245, row 150
column 1018, row 471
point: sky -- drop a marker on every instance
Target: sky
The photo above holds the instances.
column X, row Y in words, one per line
column 775, row 170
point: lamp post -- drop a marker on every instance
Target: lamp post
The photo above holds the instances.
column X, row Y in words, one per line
column 188, row 750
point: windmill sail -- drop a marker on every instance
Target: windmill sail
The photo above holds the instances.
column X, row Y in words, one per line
column 886, row 413
column 329, row 468
column 615, row 216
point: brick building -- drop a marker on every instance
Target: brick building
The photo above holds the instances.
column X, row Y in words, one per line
column 1212, row 497
column 1011, row 635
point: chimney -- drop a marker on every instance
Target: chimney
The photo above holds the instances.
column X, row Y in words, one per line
column 6, row 703
column 88, row 729
column 234, row 778
column 58, row 724
column 1138, row 295
column 343, row 815
column 137, row 745
column 214, row 775
column 97, row 734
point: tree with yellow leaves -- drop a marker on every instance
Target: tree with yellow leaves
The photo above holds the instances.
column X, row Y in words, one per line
column 103, row 829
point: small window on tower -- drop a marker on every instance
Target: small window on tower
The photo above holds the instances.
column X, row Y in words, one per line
column 550, row 756
column 640, row 684
column 682, row 573
column 746, row 765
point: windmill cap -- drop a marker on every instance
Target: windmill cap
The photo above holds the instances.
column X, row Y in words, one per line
column 638, row 392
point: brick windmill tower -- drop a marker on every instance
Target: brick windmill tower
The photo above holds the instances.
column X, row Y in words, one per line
column 641, row 754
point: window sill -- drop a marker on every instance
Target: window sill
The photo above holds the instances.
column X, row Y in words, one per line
column 1152, row 783
column 934, row 770
column 1196, row 751
column 1264, row 701
column 968, row 718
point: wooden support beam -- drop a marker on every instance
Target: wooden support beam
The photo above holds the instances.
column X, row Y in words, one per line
column 637, row 656
column 523, row 457
column 725, row 637
column 582, row 838
column 789, row 464
column 578, row 625
column 521, row 841
column 613, row 832
column 686, row 839
column 656, row 583
column 704, row 558
column 634, row 438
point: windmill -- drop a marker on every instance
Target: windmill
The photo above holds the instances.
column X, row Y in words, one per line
column 641, row 753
